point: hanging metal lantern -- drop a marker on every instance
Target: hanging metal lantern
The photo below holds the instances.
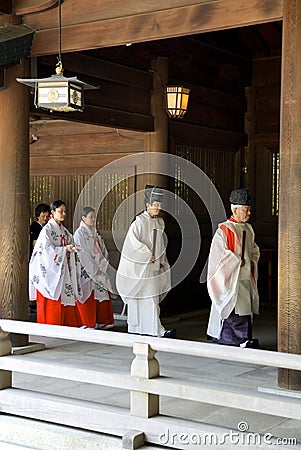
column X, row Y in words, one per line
column 58, row 93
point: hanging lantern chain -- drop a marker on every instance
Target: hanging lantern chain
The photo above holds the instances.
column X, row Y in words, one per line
column 59, row 65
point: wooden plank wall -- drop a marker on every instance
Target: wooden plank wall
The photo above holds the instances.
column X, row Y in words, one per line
column 65, row 147
column 264, row 140
column 261, row 155
column 64, row 155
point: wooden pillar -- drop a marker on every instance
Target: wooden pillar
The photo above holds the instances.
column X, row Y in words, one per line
column 289, row 281
column 14, row 198
column 157, row 141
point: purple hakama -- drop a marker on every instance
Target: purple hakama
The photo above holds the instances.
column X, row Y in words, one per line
column 236, row 330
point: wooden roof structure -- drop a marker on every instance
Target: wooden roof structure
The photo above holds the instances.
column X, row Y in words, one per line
column 112, row 45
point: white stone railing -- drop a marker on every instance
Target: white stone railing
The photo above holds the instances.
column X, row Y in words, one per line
column 143, row 421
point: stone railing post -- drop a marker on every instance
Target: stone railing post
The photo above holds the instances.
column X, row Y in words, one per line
column 145, row 365
column 5, row 349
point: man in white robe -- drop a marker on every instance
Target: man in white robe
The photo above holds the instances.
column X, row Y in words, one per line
column 143, row 275
column 232, row 276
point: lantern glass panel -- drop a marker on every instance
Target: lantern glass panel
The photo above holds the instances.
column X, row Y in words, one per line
column 176, row 101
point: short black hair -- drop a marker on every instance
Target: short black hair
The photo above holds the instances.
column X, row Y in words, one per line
column 56, row 204
column 41, row 208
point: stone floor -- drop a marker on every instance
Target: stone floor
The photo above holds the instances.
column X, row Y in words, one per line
column 190, row 326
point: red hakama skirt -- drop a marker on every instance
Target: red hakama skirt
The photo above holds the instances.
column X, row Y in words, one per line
column 92, row 312
column 82, row 314
column 54, row 313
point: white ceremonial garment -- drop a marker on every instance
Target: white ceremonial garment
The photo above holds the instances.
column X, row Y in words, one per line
column 94, row 259
column 141, row 283
column 54, row 271
column 231, row 286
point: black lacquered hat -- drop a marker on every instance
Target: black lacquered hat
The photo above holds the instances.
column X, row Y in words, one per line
column 153, row 194
column 240, row 197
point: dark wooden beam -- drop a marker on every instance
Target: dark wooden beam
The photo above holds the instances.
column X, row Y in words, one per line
column 23, row 7
column 266, row 139
column 172, row 22
column 105, row 70
column 58, row 165
column 98, row 9
column 202, row 52
column 46, row 127
column 218, row 99
column 77, row 144
column 6, row 6
column 102, row 116
column 210, row 116
column 199, row 136
column 226, row 78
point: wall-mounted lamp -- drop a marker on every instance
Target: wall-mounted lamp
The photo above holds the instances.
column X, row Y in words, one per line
column 175, row 98
column 176, row 101
column 33, row 138
column 58, row 93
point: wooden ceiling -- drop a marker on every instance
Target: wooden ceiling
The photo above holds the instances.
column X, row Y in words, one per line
column 220, row 61
column 96, row 24
column 111, row 44
column 257, row 41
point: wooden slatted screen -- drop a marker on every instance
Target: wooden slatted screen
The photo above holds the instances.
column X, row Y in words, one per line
column 68, row 188
column 218, row 166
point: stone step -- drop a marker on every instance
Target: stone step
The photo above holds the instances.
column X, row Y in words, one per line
column 20, row 433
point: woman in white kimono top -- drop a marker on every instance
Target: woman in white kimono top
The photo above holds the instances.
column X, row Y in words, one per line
column 143, row 275
column 54, row 274
column 96, row 305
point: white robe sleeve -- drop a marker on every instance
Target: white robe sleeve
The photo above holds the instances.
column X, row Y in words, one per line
column 255, row 255
column 52, row 271
column 85, row 253
column 93, row 257
column 223, row 273
column 47, row 266
column 222, row 281
column 137, row 277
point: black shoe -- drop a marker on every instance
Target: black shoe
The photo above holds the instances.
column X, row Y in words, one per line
column 251, row 343
column 169, row 333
